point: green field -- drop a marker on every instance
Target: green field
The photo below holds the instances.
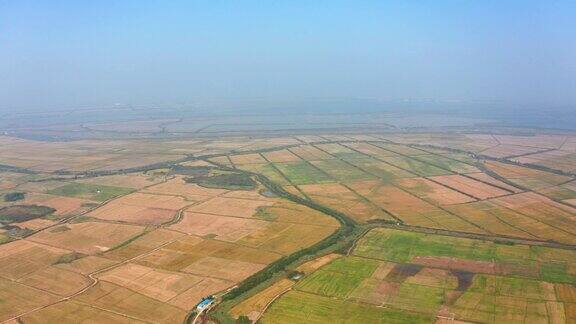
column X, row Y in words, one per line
column 267, row 170
column 378, row 284
column 339, row 278
column 300, row 307
column 341, row 170
column 90, row 191
column 302, row 173
column 521, row 260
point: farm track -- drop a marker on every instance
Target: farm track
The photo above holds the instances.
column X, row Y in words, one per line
column 350, row 232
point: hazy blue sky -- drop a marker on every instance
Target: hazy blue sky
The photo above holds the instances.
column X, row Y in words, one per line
column 78, row 53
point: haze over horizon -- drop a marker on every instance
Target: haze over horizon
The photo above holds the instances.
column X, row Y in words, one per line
column 77, row 54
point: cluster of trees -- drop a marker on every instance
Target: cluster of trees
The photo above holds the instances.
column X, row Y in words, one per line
column 14, row 196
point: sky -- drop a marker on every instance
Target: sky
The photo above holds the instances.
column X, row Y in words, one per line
column 65, row 54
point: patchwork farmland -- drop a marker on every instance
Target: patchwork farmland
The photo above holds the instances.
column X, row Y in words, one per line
column 392, row 228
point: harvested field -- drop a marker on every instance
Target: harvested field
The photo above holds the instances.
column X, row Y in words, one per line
column 339, row 197
column 502, row 151
column 447, row 163
column 133, row 214
column 236, row 207
column 370, row 149
column 281, row 156
column 525, row 177
column 117, row 299
column 225, row 269
column 287, row 212
column 56, row 280
column 191, row 297
column 497, row 183
column 20, row 258
column 179, row 187
column 471, row 187
column 310, row 153
column 315, row 264
column 285, row 238
column 143, row 244
column 544, row 210
column 88, row 237
column 157, row 284
column 432, row 191
column 17, row 299
column 415, row 166
column 74, row 312
column 247, row 159
column 219, row 227
column 503, row 221
column 140, row 208
column 401, row 149
column 184, row 252
column 254, row 305
column 86, row 265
